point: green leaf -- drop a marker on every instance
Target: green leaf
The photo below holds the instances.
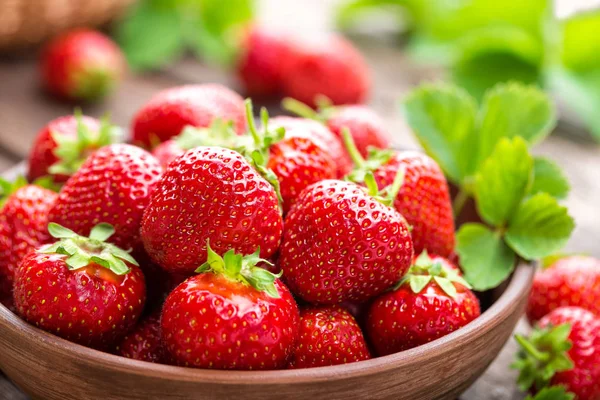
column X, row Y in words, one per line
column 539, row 227
column 552, row 393
column 485, row 258
column 549, row 178
column 503, row 180
column 418, row 283
column 446, row 285
column 60, row 232
column 102, row 231
column 580, row 45
column 151, row 36
column 513, row 109
column 443, row 119
column 78, row 260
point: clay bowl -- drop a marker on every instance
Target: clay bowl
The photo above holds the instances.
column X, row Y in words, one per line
column 47, row 367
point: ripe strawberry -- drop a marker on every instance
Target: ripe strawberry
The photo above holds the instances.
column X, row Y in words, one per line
column 233, row 315
column 333, row 68
column 23, row 223
column 171, row 110
column 329, row 335
column 144, row 342
column 210, row 193
column 81, row 65
column 64, row 143
column 341, row 243
column 114, row 185
column 563, row 350
column 365, row 126
column 320, row 133
column 431, row 301
column 570, row 281
column 82, row 289
column 423, row 198
column 259, row 67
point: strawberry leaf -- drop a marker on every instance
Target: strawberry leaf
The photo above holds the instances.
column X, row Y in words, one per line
column 443, row 119
column 485, row 258
column 552, row 393
column 510, row 110
column 539, row 227
column 549, row 178
column 503, row 181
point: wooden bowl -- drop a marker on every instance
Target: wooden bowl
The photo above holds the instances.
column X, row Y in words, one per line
column 48, row 367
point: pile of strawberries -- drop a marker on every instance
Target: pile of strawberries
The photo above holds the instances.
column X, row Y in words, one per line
column 211, row 242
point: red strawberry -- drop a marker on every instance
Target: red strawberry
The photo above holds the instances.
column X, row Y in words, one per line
column 365, row 126
column 570, row 281
column 333, row 68
column 233, row 315
column 171, row 110
column 114, row 185
column 341, row 243
column 167, row 152
column 423, row 198
column 329, row 335
column 81, row 65
column 259, row 67
column 320, row 133
column 64, row 143
column 144, row 342
column 23, row 226
column 82, row 289
column 431, row 301
column 564, row 350
column 210, row 193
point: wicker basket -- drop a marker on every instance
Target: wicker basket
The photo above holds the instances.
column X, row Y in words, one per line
column 27, row 22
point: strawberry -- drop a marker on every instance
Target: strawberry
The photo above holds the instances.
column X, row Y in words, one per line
column 333, row 68
column 113, row 185
column 81, row 65
column 23, row 222
column 329, row 335
column 423, row 198
column 569, row 281
column 64, row 143
column 233, row 315
column 342, row 243
column 431, row 301
column 82, row 289
column 563, row 350
column 321, row 134
column 365, row 126
column 259, row 66
column 144, row 342
column 171, row 110
column 210, row 193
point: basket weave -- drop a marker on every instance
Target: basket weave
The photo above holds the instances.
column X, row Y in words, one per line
column 27, row 22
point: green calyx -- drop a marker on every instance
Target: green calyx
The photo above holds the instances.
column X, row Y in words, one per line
column 542, row 354
column 83, row 251
column 424, row 270
column 257, row 152
column 93, row 83
column 363, row 170
column 243, row 269
column 73, row 151
column 552, row 393
column 7, row 188
column 219, row 133
column 325, row 108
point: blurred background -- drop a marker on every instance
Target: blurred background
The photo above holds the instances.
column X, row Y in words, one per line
column 473, row 43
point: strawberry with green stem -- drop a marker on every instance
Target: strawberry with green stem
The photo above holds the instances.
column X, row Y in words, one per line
column 81, row 288
column 429, row 302
column 64, row 144
column 423, row 199
column 365, row 126
column 23, row 226
column 232, row 315
column 564, row 349
column 362, row 250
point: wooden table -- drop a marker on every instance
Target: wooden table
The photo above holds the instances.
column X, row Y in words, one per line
column 24, row 109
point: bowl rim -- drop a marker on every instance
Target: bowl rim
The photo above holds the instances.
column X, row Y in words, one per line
column 489, row 320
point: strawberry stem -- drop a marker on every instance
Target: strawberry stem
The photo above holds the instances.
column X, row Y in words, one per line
column 251, row 124
column 530, row 349
column 459, row 202
column 351, row 148
column 297, row 107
